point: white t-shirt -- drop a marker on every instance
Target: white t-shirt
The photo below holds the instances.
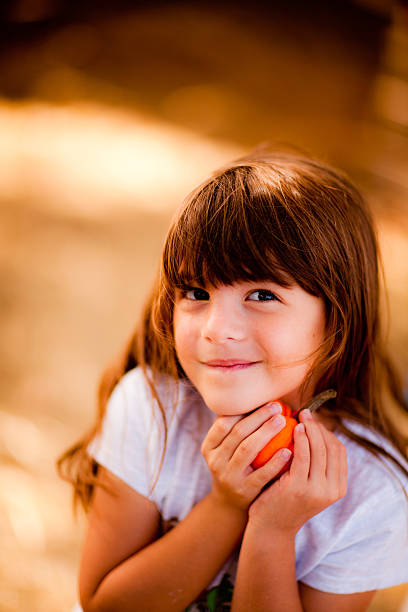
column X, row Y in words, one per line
column 359, row 543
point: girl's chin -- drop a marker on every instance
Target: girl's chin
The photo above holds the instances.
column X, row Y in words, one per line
column 231, row 407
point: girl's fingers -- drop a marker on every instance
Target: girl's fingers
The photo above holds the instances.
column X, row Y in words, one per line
column 336, row 470
column 343, row 470
column 246, row 447
column 218, row 431
column 333, row 463
column 227, row 434
column 301, row 457
column 318, row 450
column 263, row 475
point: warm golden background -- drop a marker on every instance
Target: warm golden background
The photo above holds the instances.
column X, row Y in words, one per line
column 110, row 112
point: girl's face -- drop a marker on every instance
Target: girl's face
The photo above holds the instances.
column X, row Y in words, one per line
column 246, row 344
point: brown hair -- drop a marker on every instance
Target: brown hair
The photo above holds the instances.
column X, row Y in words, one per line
column 272, row 216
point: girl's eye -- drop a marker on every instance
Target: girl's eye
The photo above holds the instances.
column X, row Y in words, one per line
column 196, row 294
column 263, row 295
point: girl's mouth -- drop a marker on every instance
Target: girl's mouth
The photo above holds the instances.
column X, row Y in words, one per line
column 230, row 365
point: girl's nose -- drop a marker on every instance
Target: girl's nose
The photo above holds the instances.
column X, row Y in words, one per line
column 223, row 324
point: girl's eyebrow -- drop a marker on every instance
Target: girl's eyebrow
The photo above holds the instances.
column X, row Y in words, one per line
column 188, row 285
column 288, row 283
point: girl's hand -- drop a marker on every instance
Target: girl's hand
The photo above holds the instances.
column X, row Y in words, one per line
column 317, row 478
column 231, row 445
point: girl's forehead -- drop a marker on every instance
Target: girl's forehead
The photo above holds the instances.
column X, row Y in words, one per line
column 243, row 237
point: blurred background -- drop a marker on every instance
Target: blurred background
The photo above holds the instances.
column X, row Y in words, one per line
column 110, row 113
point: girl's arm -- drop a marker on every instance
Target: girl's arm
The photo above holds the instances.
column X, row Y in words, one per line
column 127, row 566
column 266, row 578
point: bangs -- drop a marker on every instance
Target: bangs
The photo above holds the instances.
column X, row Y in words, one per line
column 231, row 231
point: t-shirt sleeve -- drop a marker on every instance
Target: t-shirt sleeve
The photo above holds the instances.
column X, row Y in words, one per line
column 128, row 435
column 372, row 551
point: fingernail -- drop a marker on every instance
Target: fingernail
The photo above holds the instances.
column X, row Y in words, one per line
column 307, row 414
column 285, row 453
column 279, row 421
column 275, row 408
column 300, row 427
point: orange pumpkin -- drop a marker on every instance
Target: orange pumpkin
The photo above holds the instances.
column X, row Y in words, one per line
column 283, row 439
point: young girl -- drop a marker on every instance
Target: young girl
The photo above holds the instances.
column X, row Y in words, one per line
column 267, row 295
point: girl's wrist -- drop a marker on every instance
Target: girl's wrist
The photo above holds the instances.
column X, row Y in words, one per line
column 267, row 532
column 221, row 504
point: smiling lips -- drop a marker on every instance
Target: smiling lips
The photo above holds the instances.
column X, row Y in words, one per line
column 229, row 365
